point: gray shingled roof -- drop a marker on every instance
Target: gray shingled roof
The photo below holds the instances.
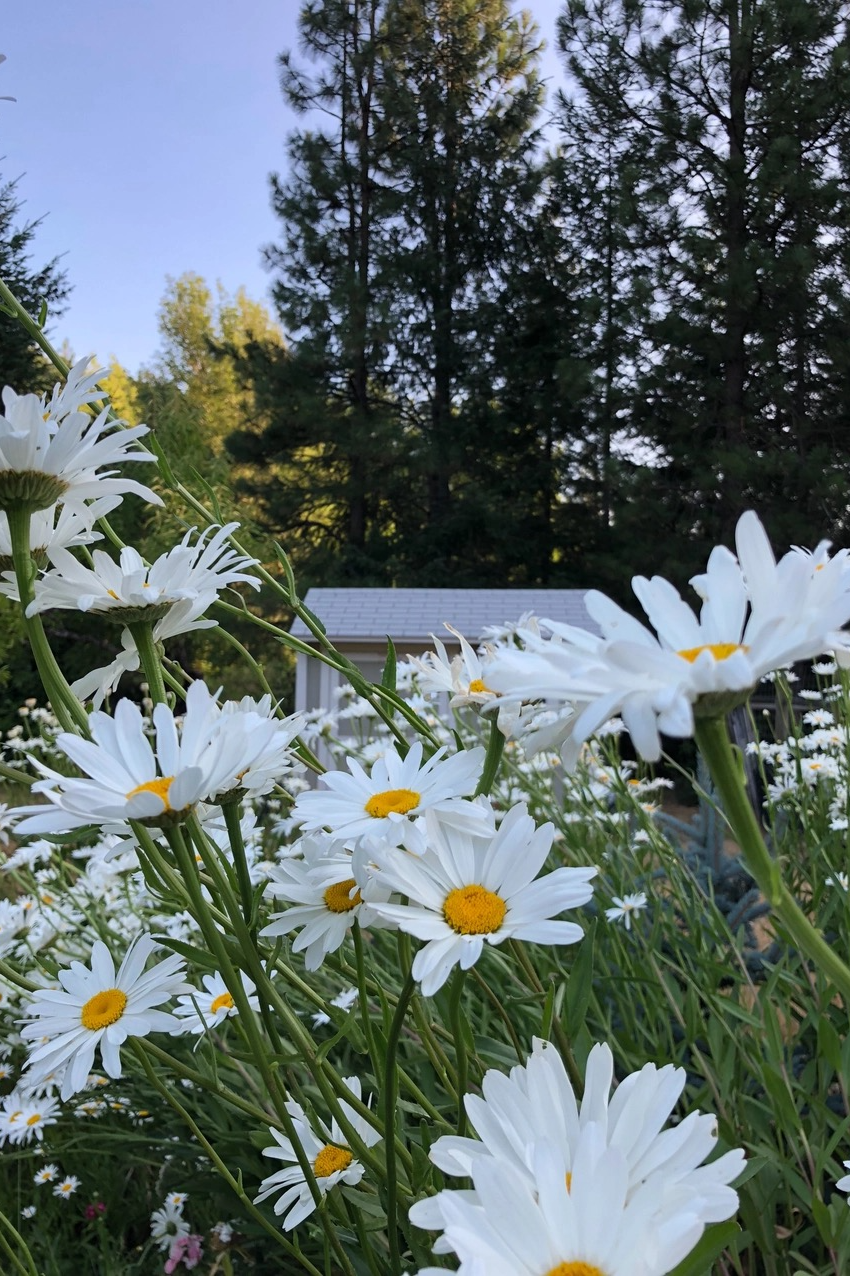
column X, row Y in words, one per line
column 414, row 614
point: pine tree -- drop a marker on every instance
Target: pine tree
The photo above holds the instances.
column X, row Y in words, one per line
column 332, row 437
column 741, row 206
column 461, row 99
column 22, row 365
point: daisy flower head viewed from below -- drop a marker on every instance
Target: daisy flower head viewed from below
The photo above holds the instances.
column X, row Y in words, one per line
column 46, row 458
column 331, row 1159
column 384, row 805
column 325, row 899
column 462, row 677
column 757, row 614
column 129, row 590
column 465, row 890
column 97, row 1008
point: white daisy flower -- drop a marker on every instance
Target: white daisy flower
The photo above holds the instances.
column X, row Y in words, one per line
column 46, row 1174
column 59, row 526
column 129, row 779
column 167, row 1223
column 583, row 1224
column 464, row 891
column 462, row 677
column 841, row 880
column 343, row 1001
column 382, row 806
column 67, row 1187
column 198, row 1012
column 97, row 1008
column 624, row 907
column 536, row 1102
column 757, row 614
column 325, row 897
column 28, row 1211
column 843, row 1184
column 129, row 590
column 331, row 1159
column 34, row 1117
column 44, row 459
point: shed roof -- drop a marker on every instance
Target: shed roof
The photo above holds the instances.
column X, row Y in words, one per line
column 351, row 615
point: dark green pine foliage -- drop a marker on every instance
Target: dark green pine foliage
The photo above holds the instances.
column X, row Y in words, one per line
column 328, row 466
column 461, row 99
column 739, row 387
column 22, row 365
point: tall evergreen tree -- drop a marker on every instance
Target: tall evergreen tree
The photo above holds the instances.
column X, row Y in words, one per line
column 332, row 433
column 461, row 98
column 740, row 109
column 22, row 365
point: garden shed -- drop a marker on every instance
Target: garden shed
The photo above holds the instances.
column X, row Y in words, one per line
column 359, row 621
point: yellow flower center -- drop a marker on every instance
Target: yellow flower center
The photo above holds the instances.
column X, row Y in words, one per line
column 569, row 1180
column 392, row 802
column 221, row 1002
column 34, row 1119
column 339, row 899
column 720, row 651
column 576, row 1268
column 478, row 685
column 103, row 1009
column 331, row 1159
column 159, row 786
column 473, row 910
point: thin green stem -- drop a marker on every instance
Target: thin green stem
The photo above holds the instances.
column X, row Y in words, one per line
column 390, row 1097
column 30, row 1268
column 713, row 742
column 192, row 1125
column 240, row 859
column 363, row 995
column 561, row 1039
column 207, row 1083
column 66, row 706
column 461, row 1058
column 142, row 632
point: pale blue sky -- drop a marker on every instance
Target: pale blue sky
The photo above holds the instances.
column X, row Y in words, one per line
column 146, row 132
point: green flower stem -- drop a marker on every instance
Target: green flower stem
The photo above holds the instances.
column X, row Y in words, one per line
column 10, row 303
column 168, row 1062
column 363, row 995
column 327, row 1079
column 500, row 1010
column 29, row 1269
column 456, row 1020
column 170, row 1098
column 240, row 859
column 14, row 776
column 14, row 977
column 66, row 706
column 390, row 1097
column 142, row 634
column 713, row 743
column 495, row 749
column 561, row 1039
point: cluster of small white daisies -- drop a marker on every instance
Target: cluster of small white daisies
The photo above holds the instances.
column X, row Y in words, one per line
column 408, row 847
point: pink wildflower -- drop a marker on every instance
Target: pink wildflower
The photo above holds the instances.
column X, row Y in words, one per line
column 185, row 1249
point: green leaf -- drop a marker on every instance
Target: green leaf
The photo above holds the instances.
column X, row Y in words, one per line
column 580, row 982
column 42, row 313
column 714, row 1240
column 389, row 675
